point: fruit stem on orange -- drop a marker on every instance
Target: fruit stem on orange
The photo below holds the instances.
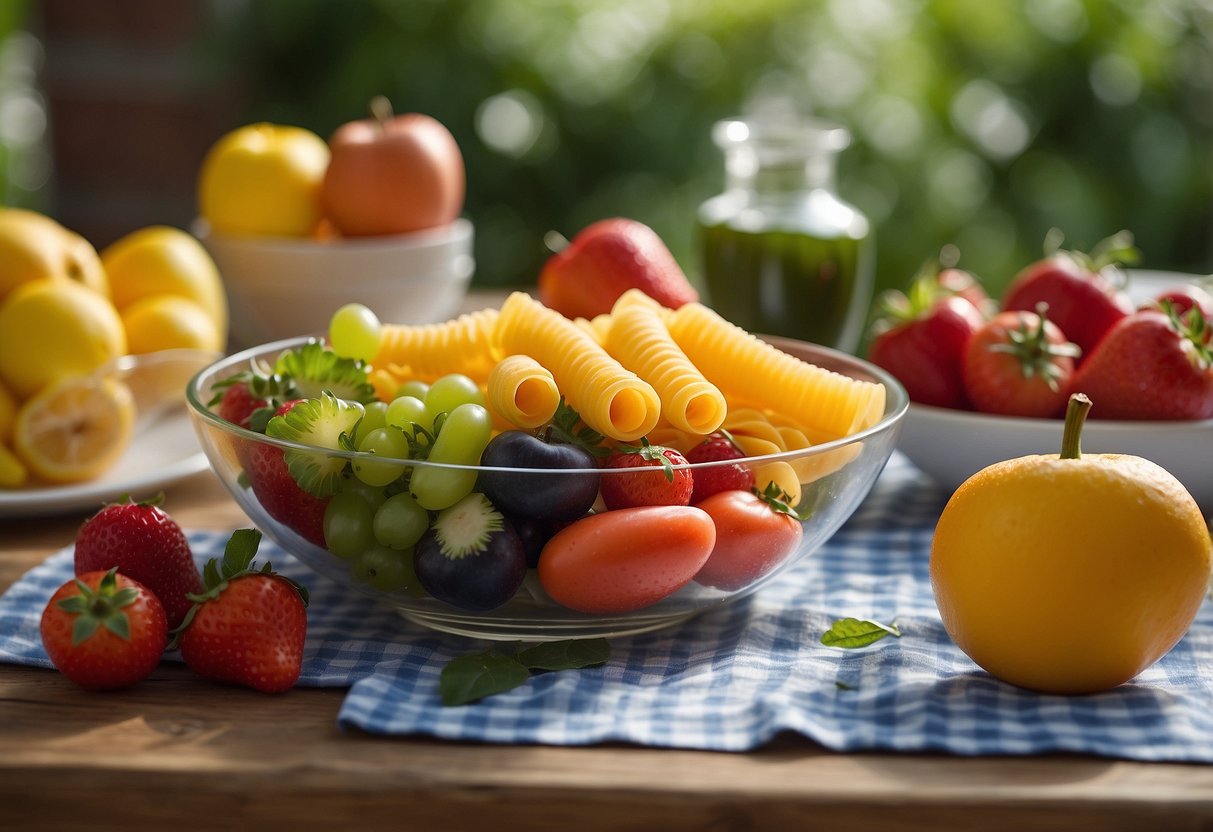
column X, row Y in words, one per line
column 1076, row 415
column 381, row 110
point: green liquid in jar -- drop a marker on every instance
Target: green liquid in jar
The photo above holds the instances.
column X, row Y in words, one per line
column 788, row 283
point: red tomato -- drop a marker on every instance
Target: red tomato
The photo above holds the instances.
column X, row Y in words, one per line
column 393, row 175
column 624, row 560
column 751, row 539
column 108, row 635
column 1019, row 364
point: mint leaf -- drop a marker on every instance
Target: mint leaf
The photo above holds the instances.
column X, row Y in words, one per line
column 855, row 632
column 566, row 655
column 473, row 677
column 470, row 678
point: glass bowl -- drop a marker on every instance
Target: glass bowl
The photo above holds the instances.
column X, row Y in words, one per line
column 834, row 478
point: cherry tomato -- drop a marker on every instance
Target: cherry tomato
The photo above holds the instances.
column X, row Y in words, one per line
column 1019, row 364
column 624, row 560
column 752, row 539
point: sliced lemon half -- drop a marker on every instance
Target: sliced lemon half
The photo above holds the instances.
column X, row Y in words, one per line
column 76, row 429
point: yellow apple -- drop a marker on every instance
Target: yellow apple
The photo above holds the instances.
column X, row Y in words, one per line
column 35, row 247
column 263, row 180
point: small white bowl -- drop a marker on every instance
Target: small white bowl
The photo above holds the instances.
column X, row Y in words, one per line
column 952, row 445
column 281, row 287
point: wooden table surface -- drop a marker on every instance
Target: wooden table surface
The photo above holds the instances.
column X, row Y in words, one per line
column 178, row 750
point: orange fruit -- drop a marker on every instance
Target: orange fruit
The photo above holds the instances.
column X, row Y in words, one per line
column 1072, row 573
column 74, row 430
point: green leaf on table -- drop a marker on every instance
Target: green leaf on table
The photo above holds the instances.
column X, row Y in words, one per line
column 571, row 654
column 470, row 678
column 855, row 632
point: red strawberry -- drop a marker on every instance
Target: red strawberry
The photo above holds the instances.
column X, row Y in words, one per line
column 920, row 338
column 606, row 259
column 1151, row 365
column 1078, row 288
column 104, row 631
column 962, row 284
column 1019, row 364
column 238, row 405
column 240, row 398
column 146, row 545
column 716, row 447
column 1183, row 298
column 665, row 485
column 249, row 626
column 276, row 489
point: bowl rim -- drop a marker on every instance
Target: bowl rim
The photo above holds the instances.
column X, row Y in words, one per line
column 457, row 231
column 896, row 407
column 1034, row 423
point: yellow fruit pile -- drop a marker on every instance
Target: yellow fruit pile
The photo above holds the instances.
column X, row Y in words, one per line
column 66, row 311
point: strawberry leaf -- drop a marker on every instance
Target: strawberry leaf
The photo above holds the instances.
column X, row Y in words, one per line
column 239, row 552
column 571, row 654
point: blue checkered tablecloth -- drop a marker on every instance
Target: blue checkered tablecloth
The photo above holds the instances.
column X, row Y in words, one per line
column 734, row 678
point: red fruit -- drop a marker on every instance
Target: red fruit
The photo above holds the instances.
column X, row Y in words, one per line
column 1019, row 364
column 104, row 630
column 276, row 489
column 238, row 405
column 605, row 260
column 148, row 546
column 754, row 534
column 921, row 339
column 963, row 284
column 1151, row 366
column 249, row 626
column 244, row 394
column 665, row 485
column 1082, row 299
column 1183, row 298
column 717, row 447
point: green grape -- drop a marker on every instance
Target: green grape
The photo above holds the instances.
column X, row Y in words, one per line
column 460, row 442
column 348, row 525
column 416, row 389
column 354, row 332
column 374, row 418
column 399, row 523
column 448, row 392
column 385, row 442
column 383, row 568
column 404, row 410
column 372, row 495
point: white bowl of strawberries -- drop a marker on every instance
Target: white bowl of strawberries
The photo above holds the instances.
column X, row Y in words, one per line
column 989, row 380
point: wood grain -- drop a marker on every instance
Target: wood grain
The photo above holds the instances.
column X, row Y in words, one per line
column 178, row 751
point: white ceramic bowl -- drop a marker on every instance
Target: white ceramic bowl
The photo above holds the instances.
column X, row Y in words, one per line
column 281, row 288
column 952, row 445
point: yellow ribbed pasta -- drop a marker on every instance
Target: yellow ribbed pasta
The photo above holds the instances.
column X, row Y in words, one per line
column 639, row 339
column 429, row 351
column 672, row 437
column 522, row 391
column 611, row 399
column 756, row 372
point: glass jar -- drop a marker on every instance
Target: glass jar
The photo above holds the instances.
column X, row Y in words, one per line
column 780, row 252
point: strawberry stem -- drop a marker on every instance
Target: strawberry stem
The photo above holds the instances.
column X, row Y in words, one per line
column 1076, row 416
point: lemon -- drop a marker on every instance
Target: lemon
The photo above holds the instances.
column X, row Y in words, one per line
column 264, row 179
column 169, row 322
column 75, row 429
column 13, row 472
column 160, row 260
column 35, row 247
column 1072, row 573
column 52, row 329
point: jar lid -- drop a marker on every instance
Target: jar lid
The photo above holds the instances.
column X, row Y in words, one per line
column 781, row 137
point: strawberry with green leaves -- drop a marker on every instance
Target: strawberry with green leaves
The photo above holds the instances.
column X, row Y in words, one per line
column 147, row 545
column 249, row 625
column 669, row 483
column 1152, row 365
column 104, row 631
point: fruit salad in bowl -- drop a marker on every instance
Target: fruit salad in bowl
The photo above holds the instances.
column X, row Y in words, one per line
column 515, row 474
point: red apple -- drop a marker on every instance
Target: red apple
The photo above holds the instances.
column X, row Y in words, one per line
column 392, row 175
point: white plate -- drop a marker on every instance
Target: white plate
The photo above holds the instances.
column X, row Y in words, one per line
column 164, row 451
column 952, row 445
